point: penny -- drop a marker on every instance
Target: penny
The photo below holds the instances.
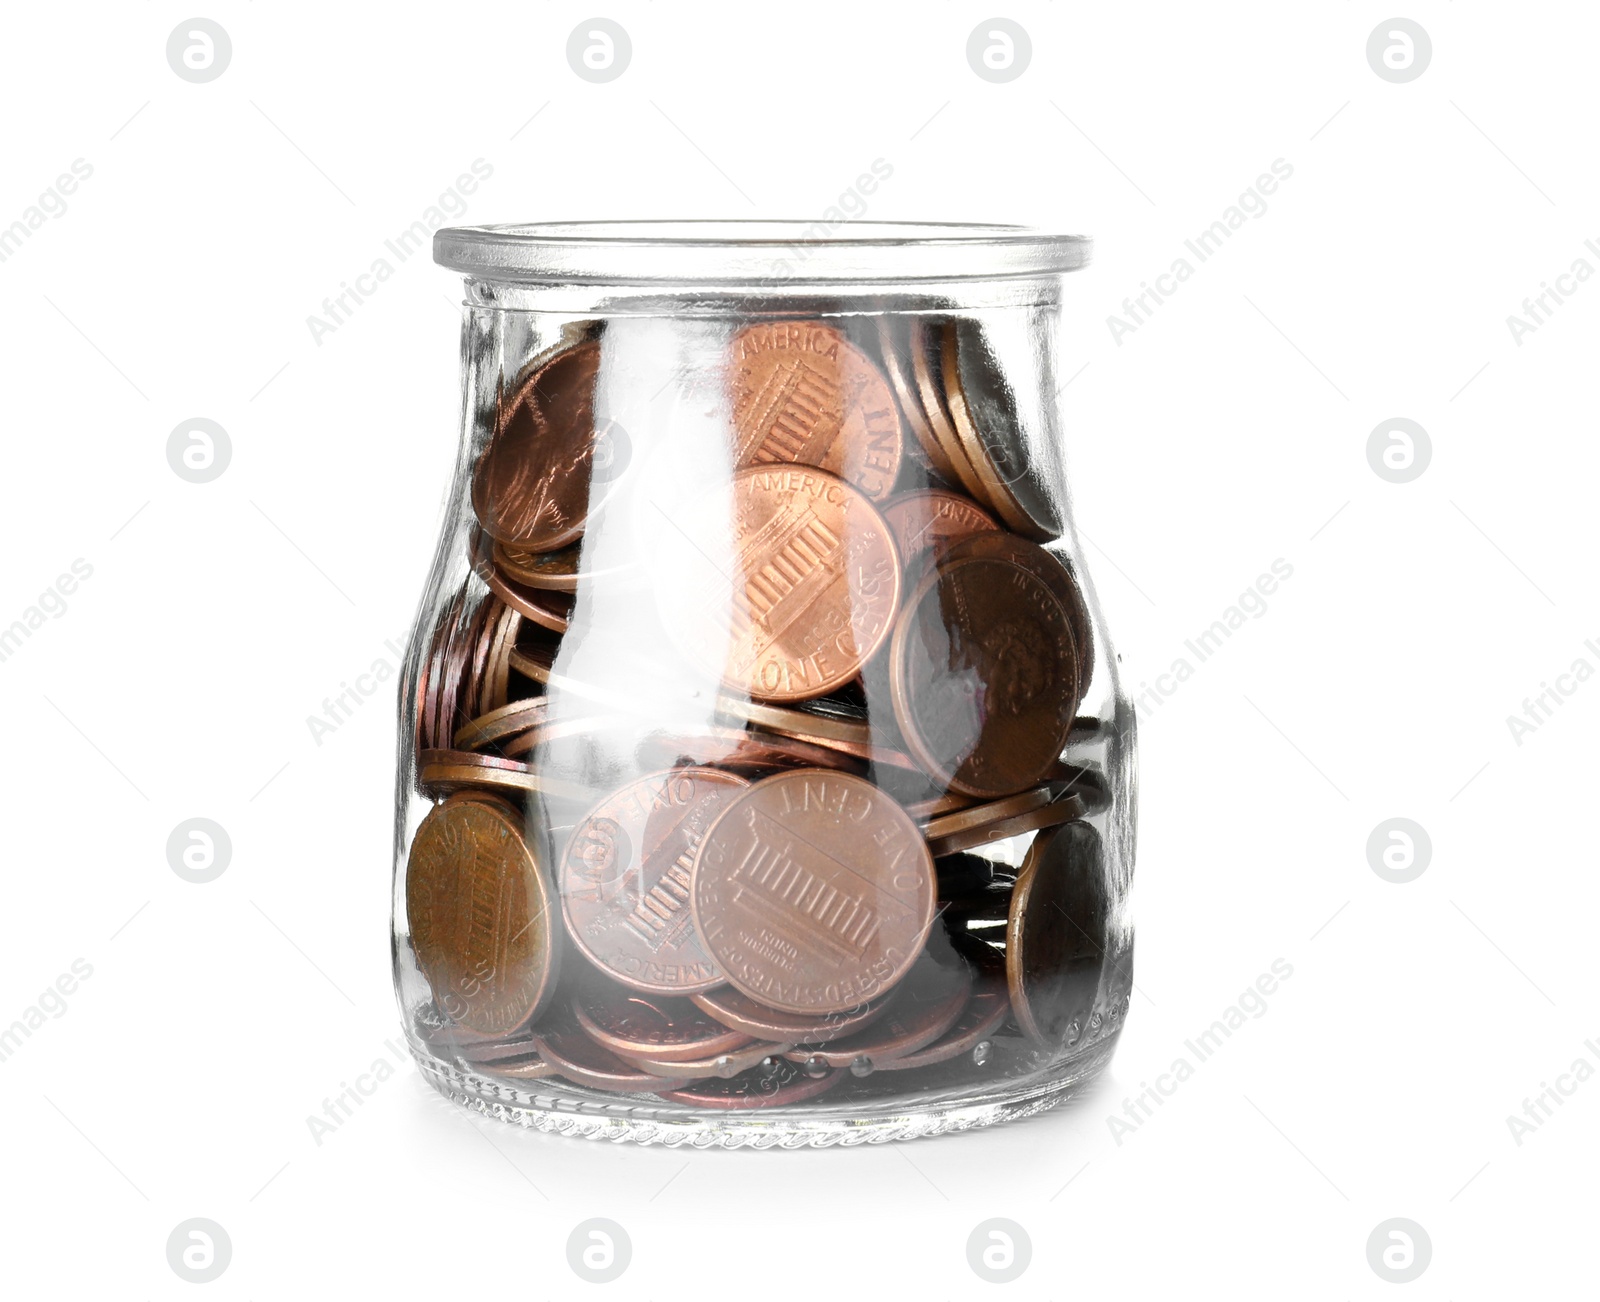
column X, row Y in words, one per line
column 926, row 345
column 803, row 393
column 528, row 1067
column 813, row 891
column 1054, row 572
column 986, row 414
column 934, row 806
column 531, row 484
column 551, row 731
column 483, row 640
column 984, row 676
column 551, row 610
column 894, row 349
column 931, row 1000
column 751, row 751
column 810, row 595
column 557, row 571
column 666, row 1028
column 990, row 811
column 450, row 771
column 742, row 1013
column 569, row 1050
column 1056, row 934
column 721, row 1066
column 926, row 521
column 480, row 916
column 496, row 683
column 1063, row 809
column 496, row 725
column 625, row 879
column 432, row 730
column 849, row 727
column 501, row 1050
column 782, row 1084
column 985, row 1013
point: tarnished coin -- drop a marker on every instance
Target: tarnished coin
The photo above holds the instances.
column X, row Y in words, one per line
column 531, row 484
column 984, row 410
column 984, row 675
column 559, row 571
column 834, row 729
column 546, row 608
column 744, row 1014
column 625, row 880
column 720, row 1066
column 931, row 999
column 752, row 752
column 894, row 349
column 984, row 1014
column 802, row 393
column 781, row 1084
column 1053, row 571
column 1061, row 809
column 1056, row 934
column 807, row 595
column 666, row 1028
column 567, row 1047
column 496, row 683
column 925, row 347
column 495, row 726
column 813, row 891
column 926, row 521
column 479, row 910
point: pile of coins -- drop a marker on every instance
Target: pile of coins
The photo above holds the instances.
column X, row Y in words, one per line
column 756, row 907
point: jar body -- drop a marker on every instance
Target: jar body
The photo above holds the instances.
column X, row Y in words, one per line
column 764, row 774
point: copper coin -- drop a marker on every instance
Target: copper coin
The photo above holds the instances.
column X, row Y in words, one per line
column 496, row 683
column 935, row 806
column 802, row 393
column 984, row 1014
column 625, row 879
column 1063, row 809
column 549, row 732
column 722, row 1066
column 557, row 571
column 926, row 346
column 926, row 521
column 989, row 811
column 448, row 771
column 743, row 1013
column 432, row 730
column 483, row 640
column 1056, row 573
column 1025, row 492
column 751, row 751
column 894, row 349
column 531, row 484
column 782, row 1084
column 480, row 915
column 528, row 1067
column 666, row 1028
column 1056, row 934
column 808, row 593
column 813, row 891
column 501, row 1050
column 931, row 1000
column 551, row 610
column 984, row 676
column 567, row 1048
column 496, row 725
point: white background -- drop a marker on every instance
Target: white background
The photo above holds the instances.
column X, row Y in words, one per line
column 1228, row 431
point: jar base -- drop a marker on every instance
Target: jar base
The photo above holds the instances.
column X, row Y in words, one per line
column 587, row 1114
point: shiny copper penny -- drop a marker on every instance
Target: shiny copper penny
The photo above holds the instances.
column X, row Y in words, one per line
column 1062, row 809
column 584, row 1061
column 625, row 880
column 931, row 1000
column 531, row 484
column 472, row 690
column 926, row 521
column 551, row 610
column 720, row 1066
column 1056, row 933
column 782, row 1084
column 490, row 728
column 935, row 806
column 985, row 1012
column 447, row 771
column 977, row 816
column 894, row 349
column 813, row 892
column 743, row 1013
column 1055, row 572
column 984, row 676
column 926, row 345
column 665, row 1028
column 1025, row 491
column 480, row 915
column 803, row 393
column 807, row 595
column 496, row 682
column 557, row 571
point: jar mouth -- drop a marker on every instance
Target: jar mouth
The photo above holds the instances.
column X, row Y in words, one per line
column 756, row 252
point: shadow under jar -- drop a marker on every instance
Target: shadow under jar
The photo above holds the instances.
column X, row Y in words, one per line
column 764, row 775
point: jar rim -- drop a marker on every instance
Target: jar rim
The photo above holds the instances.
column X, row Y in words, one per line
column 756, row 252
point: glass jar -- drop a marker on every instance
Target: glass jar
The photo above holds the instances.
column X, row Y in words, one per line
column 764, row 773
